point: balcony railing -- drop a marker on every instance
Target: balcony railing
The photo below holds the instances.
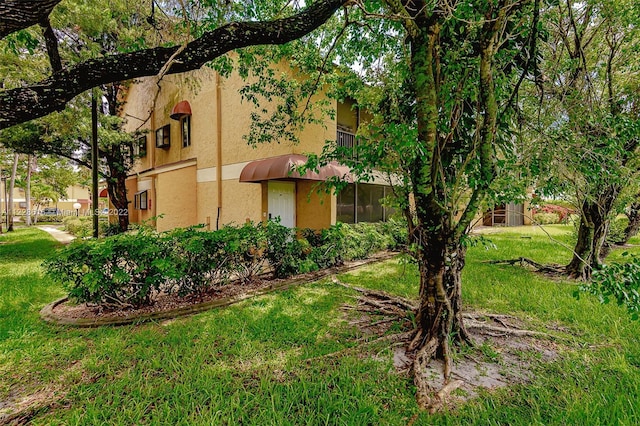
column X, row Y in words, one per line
column 346, row 140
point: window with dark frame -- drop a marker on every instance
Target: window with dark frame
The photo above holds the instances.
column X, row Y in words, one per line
column 163, row 137
column 140, row 147
column 185, row 126
column 363, row 203
column 140, row 200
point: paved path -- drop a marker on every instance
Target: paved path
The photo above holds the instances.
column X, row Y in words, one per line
column 58, row 234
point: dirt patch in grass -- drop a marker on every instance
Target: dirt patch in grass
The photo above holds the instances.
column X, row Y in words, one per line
column 495, row 362
column 505, row 351
column 20, row 410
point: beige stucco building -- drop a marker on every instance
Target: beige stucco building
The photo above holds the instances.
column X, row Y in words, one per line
column 65, row 205
column 195, row 167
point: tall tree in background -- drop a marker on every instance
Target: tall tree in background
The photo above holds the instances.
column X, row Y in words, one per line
column 589, row 116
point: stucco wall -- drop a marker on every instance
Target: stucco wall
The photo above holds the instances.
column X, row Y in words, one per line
column 198, row 187
column 240, row 202
column 313, row 210
column 176, row 198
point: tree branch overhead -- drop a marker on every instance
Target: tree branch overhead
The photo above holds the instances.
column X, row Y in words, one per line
column 16, row 15
column 52, row 94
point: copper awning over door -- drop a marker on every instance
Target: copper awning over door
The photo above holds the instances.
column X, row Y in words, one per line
column 284, row 167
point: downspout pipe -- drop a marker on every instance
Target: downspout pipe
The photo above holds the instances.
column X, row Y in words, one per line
column 218, row 149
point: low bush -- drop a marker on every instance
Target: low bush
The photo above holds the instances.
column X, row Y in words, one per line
column 201, row 260
column 616, row 230
column 129, row 269
column 546, row 218
column 82, row 226
column 397, row 230
column 362, row 239
column 49, row 218
column 123, row 270
column 619, row 282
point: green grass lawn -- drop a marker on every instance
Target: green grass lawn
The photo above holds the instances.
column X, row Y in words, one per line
column 263, row 361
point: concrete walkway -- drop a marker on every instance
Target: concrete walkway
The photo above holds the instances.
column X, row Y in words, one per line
column 58, row 234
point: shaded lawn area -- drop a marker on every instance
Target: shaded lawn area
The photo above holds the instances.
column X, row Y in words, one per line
column 264, row 361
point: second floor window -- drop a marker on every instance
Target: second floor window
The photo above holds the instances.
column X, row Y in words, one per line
column 163, row 137
column 140, row 200
column 140, row 147
column 185, row 126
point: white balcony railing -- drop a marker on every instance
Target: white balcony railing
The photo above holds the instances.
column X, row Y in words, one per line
column 346, row 140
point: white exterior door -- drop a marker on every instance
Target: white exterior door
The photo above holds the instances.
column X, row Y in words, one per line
column 282, row 202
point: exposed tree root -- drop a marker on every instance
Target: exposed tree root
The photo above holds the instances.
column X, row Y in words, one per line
column 424, row 392
column 392, row 338
column 497, row 331
column 383, row 308
column 379, row 302
column 523, row 261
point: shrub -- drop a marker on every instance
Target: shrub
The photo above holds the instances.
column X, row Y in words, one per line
column 246, row 247
column 49, row 218
column 284, row 252
column 546, row 218
column 329, row 247
column 363, row 239
column 123, row 270
column 616, row 230
column 82, row 226
column 200, row 258
column 619, row 282
column 129, row 269
column 397, row 230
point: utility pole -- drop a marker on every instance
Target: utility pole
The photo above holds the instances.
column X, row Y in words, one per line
column 94, row 161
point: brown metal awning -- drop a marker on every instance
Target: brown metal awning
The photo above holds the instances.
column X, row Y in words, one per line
column 103, row 193
column 283, row 167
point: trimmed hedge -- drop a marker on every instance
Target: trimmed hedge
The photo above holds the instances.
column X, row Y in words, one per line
column 130, row 269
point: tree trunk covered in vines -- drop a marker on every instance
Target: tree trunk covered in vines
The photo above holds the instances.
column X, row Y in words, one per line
column 590, row 249
column 439, row 314
column 434, row 316
column 117, row 189
column 440, row 253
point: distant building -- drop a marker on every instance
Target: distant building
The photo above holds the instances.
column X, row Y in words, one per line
column 65, row 205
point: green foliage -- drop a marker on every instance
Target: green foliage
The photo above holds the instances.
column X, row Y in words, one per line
column 284, row 252
column 619, row 282
column 362, row 239
column 129, row 269
column 397, row 230
column 50, row 218
column 200, row 260
column 122, row 270
column 82, row 226
column 546, row 218
column 616, row 230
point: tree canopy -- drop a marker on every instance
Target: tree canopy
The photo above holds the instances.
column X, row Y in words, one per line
column 20, row 104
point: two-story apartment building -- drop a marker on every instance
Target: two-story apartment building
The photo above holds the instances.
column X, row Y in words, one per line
column 196, row 168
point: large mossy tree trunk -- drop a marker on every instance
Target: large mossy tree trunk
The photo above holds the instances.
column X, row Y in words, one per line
column 441, row 225
column 117, row 189
column 439, row 315
column 590, row 249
